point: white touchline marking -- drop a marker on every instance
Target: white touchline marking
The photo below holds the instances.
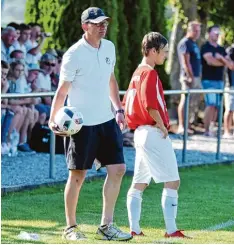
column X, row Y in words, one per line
column 220, row 226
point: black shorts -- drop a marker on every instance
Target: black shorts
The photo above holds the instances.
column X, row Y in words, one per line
column 103, row 142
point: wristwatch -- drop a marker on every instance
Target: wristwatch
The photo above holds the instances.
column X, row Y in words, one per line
column 119, row 111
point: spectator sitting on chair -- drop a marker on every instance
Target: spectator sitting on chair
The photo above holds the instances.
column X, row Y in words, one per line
column 16, row 26
column 34, row 44
column 55, row 74
column 229, row 98
column 17, row 55
column 25, row 32
column 8, row 38
column 20, row 127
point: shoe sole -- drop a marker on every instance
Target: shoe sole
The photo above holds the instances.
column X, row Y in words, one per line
column 113, row 239
column 81, row 239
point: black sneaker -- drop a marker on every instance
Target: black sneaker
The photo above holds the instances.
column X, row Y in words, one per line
column 25, row 148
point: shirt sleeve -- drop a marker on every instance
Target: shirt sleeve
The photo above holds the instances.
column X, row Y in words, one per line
column 149, row 91
column 205, row 49
column 183, row 48
column 69, row 66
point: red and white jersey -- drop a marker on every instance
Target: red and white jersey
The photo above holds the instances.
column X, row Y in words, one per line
column 145, row 91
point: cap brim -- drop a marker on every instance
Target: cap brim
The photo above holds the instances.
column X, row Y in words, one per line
column 99, row 19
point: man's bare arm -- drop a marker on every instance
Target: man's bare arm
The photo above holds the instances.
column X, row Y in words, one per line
column 212, row 60
column 114, row 93
column 59, row 98
column 187, row 66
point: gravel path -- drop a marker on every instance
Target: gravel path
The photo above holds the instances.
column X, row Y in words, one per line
column 27, row 170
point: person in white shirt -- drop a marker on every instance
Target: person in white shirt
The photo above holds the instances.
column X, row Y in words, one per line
column 87, row 79
column 8, row 37
column 34, row 44
column 25, row 33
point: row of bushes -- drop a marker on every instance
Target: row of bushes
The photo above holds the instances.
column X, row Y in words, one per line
column 131, row 20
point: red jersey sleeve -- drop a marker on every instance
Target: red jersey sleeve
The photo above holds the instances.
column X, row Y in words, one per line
column 148, row 90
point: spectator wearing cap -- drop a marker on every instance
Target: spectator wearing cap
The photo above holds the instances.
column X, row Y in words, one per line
column 47, row 64
column 8, row 38
column 55, row 74
column 25, row 33
column 229, row 98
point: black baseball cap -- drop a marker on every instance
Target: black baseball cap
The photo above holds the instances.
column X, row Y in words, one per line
column 93, row 15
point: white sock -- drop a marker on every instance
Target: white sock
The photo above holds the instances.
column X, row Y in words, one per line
column 169, row 207
column 134, row 199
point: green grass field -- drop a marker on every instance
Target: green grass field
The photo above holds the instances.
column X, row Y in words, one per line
column 206, row 198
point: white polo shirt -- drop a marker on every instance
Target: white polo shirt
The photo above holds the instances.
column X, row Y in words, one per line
column 89, row 70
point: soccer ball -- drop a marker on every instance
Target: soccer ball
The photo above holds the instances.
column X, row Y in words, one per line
column 69, row 120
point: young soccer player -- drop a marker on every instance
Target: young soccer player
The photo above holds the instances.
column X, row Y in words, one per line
column 146, row 113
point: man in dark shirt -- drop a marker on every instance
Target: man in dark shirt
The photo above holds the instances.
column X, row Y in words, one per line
column 229, row 98
column 213, row 62
column 190, row 71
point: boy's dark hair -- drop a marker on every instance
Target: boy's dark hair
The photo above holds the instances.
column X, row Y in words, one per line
column 15, row 25
column 4, row 65
column 153, row 40
column 211, row 27
column 24, row 27
column 14, row 52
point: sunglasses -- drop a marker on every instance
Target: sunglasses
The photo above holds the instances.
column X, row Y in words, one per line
column 49, row 64
column 103, row 23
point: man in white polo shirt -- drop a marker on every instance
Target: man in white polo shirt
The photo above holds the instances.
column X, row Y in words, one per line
column 87, row 78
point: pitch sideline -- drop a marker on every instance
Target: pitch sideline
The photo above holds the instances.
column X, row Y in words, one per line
column 220, row 226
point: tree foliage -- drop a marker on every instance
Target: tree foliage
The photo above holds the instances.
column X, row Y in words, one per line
column 131, row 20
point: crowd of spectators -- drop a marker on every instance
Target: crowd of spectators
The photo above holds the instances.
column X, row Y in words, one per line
column 208, row 67
column 25, row 69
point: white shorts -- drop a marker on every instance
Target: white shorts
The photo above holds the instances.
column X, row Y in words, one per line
column 155, row 157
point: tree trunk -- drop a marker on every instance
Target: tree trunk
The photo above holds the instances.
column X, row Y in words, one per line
column 189, row 10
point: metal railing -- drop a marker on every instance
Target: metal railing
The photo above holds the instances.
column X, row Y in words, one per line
column 187, row 94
